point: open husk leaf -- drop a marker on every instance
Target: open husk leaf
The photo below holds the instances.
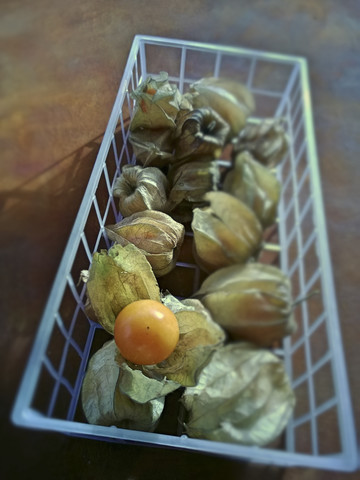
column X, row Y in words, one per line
column 199, row 336
column 267, row 141
column 156, row 234
column 140, row 189
column 225, row 232
column 230, row 99
column 157, row 103
column 255, row 185
column 104, row 401
column 116, row 278
column 143, row 388
column 251, row 302
column 243, row 396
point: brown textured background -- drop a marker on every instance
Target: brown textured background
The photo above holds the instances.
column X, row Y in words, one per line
column 60, row 67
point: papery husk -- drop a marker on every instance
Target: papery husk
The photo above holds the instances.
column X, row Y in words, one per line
column 156, row 234
column 255, row 185
column 140, row 189
column 243, row 396
column 190, row 181
column 185, row 108
column 251, row 302
column 199, row 337
column 116, row 278
column 232, row 100
column 152, row 147
column 200, row 132
column 225, row 232
column 267, row 141
column 140, row 387
column 157, row 103
column 104, row 402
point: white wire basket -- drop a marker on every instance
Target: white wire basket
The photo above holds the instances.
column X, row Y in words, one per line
column 48, row 397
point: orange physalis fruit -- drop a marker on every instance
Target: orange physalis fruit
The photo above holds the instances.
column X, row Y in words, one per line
column 146, row 332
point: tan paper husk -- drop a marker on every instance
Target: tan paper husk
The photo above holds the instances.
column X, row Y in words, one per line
column 157, row 103
column 156, row 234
column 116, row 278
column 267, row 141
column 255, row 185
column 199, row 337
column 232, row 100
column 243, row 396
column 251, row 302
column 200, row 132
column 152, row 147
column 225, row 232
column 104, row 401
column 140, row 188
column 190, row 181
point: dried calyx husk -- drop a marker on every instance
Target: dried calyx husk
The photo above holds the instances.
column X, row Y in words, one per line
column 190, row 181
column 140, row 189
column 255, row 185
column 156, row 234
column 226, row 231
column 243, row 396
column 199, row 337
column 152, row 147
column 251, row 302
column 267, row 141
column 232, row 100
column 200, row 132
column 157, row 103
column 117, row 277
column 113, row 393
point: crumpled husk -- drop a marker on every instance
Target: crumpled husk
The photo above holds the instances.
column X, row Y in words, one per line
column 232, row 100
column 140, row 189
column 199, row 337
column 156, row 234
column 152, row 147
column 157, row 103
column 143, row 388
column 189, row 183
column 115, row 394
column 116, row 278
column 255, row 185
column 251, row 302
column 225, row 232
column 200, row 132
column 267, row 141
column 243, row 396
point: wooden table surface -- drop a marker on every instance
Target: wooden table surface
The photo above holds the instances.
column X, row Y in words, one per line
column 61, row 63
